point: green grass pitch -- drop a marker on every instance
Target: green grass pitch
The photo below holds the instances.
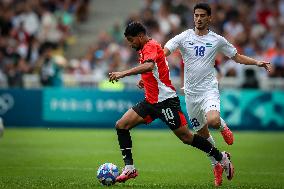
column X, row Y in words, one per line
column 69, row 158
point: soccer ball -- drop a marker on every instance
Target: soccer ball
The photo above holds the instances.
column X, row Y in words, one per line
column 107, row 174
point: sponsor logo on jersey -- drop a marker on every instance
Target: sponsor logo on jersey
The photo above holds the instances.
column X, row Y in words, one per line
column 189, row 42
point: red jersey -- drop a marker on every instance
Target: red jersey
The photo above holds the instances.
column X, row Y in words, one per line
column 157, row 84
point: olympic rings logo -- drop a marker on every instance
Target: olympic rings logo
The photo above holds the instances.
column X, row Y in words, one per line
column 6, row 103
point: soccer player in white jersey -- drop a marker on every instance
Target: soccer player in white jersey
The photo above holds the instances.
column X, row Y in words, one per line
column 199, row 47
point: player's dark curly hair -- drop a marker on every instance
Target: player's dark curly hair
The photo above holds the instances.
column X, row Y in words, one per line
column 204, row 6
column 134, row 28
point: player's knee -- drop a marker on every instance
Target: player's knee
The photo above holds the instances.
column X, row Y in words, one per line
column 214, row 122
column 120, row 124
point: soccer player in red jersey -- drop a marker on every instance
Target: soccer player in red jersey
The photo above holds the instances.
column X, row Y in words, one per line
column 161, row 101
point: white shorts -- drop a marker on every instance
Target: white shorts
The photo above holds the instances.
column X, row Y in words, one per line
column 197, row 106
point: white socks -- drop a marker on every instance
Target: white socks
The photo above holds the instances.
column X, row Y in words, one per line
column 212, row 159
column 131, row 167
column 224, row 160
column 223, row 123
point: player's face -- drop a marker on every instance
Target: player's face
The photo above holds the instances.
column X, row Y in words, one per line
column 201, row 19
column 134, row 42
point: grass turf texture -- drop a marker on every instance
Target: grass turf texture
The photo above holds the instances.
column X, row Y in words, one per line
column 65, row 158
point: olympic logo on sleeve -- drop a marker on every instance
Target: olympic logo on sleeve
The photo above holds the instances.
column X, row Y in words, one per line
column 6, row 103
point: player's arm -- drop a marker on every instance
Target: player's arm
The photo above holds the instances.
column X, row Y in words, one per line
column 230, row 51
column 173, row 44
column 250, row 61
column 147, row 66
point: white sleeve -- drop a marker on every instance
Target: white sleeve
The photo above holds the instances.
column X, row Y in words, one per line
column 227, row 48
column 174, row 43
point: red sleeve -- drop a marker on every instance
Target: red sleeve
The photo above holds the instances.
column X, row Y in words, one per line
column 150, row 53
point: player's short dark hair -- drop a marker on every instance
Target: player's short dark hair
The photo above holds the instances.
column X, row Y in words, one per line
column 204, row 6
column 134, row 28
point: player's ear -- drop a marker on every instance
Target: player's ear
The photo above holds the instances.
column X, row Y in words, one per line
column 209, row 19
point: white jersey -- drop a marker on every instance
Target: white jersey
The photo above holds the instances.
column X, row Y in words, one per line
column 198, row 53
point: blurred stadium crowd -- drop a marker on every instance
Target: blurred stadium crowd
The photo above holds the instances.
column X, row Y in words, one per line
column 34, row 34
column 31, row 33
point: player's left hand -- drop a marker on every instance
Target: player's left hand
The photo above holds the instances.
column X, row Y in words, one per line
column 266, row 65
column 115, row 76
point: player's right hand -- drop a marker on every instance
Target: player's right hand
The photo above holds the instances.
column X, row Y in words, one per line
column 140, row 84
column 115, row 76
